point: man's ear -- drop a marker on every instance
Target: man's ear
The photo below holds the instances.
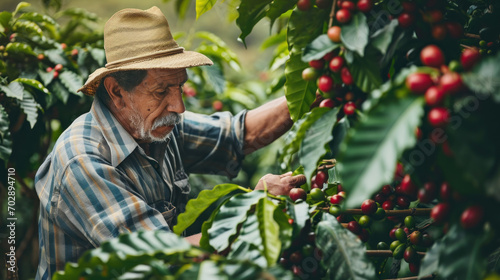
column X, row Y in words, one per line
column 115, row 92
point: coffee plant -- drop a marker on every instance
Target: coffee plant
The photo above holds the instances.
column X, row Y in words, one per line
column 395, row 107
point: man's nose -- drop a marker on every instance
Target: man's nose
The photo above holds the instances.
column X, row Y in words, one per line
column 176, row 104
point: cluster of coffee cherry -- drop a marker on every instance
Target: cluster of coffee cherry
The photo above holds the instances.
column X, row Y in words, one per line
column 428, row 20
column 408, row 241
column 446, row 83
column 332, row 67
column 303, row 257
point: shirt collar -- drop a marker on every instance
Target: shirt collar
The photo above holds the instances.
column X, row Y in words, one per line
column 120, row 142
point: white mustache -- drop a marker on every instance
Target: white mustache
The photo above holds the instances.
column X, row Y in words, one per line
column 168, row 120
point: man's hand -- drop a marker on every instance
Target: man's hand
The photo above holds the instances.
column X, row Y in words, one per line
column 280, row 184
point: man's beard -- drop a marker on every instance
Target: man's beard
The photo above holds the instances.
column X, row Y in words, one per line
column 137, row 121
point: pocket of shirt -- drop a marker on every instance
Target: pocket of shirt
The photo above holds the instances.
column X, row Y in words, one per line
column 170, row 215
column 182, row 182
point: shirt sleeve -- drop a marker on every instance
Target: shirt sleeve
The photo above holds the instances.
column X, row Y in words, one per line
column 212, row 144
column 97, row 202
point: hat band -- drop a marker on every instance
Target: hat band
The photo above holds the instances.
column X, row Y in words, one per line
column 122, row 62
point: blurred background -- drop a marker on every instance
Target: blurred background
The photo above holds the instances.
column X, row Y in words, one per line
column 239, row 80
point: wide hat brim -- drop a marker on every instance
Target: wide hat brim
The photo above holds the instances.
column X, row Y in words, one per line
column 184, row 59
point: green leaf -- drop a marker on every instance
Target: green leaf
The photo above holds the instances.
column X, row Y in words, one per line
column 343, row 253
column 249, row 13
column 203, row 6
column 220, row 50
column 297, row 133
column 369, row 154
column 30, row 28
column 274, row 40
column 123, row 254
column 79, row 13
column 285, row 229
column 458, row 255
column 366, row 72
column 5, row 141
column 195, row 207
column 182, row 6
column 333, row 176
column 318, row 48
column 38, row 18
column 230, row 215
column 281, row 56
column 355, row 34
column 299, row 213
column 250, row 240
column 20, row 49
column 15, row 90
column 99, row 56
column 473, row 144
column 279, row 7
column 71, row 81
column 269, row 230
column 30, row 108
column 56, row 56
column 313, row 147
column 5, row 18
column 382, row 38
column 300, row 94
column 483, row 79
column 60, row 91
column 33, row 83
column 339, row 133
column 20, row 7
column 215, row 78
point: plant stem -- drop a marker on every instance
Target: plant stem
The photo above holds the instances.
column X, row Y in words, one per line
column 393, row 213
column 413, row 278
column 385, row 253
column 470, row 35
column 332, row 13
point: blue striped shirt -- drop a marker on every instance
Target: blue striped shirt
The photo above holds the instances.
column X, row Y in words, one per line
column 98, row 182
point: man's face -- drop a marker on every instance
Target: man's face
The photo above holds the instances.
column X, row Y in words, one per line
column 155, row 105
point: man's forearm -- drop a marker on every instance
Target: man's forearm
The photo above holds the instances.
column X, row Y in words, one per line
column 265, row 124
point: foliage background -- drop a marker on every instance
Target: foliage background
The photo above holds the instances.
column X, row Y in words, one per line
column 253, row 77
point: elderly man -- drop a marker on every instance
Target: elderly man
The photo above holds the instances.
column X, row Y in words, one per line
column 123, row 166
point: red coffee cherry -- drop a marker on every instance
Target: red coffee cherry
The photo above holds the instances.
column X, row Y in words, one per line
column 336, row 63
column 346, row 76
column 317, row 63
column 334, row 34
column 349, row 108
column 321, row 178
column 440, row 213
column 354, row 227
column 365, row 5
column 438, row 116
column 329, row 103
column 297, row 193
column 432, row 56
column 325, row 83
column 369, row 207
column 472, row 217
column 451, row 83
column 406, row 20
column 469, row 58
column 343, row 16
column 434, row 96
column 304, row 5
column 419, row 82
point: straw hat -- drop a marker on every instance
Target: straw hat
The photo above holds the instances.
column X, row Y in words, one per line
column 136, row 39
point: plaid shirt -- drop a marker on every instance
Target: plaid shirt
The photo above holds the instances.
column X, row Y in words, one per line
column 98, row 182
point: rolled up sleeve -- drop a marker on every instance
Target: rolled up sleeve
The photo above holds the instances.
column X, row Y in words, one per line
column 212, row 144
